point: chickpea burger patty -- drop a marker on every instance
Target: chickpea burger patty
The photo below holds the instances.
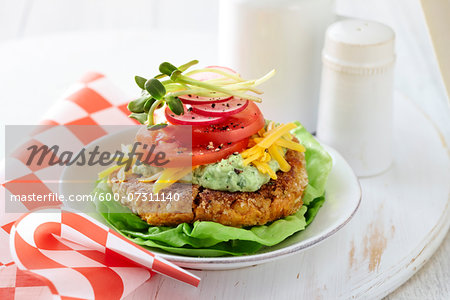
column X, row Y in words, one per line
column 274, row 200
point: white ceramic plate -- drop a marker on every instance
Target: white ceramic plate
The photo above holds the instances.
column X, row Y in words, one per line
column 343, row 195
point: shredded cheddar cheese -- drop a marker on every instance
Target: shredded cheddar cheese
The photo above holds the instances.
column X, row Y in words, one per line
column 252, row 157
column 268, row 144
column 169, row 176
column 265, row 169
column 277, row 153
column 289, row 144
column 271, row 136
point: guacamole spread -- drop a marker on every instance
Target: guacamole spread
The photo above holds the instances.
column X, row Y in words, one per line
column 226, row 175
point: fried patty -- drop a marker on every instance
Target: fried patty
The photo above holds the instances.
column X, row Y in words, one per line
column 274, row 200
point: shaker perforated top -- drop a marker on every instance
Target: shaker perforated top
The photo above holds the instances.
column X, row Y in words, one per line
column 359, row 43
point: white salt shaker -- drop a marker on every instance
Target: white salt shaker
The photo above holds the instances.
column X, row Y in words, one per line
column 355, row 109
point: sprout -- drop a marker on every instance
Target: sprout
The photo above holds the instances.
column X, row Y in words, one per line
column 140, row 81
column 155, row 88
column 156, row 93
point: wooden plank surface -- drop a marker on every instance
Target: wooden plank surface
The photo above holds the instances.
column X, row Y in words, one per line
column 432, row 281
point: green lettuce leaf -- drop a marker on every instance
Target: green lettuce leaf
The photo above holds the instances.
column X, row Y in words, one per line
column 318, row 164
column 211, row 239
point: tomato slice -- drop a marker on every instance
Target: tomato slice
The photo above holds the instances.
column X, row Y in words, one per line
column 235, row 128
column 168, row 147
column 202, row 155
column 175, row 144
column 228, row 108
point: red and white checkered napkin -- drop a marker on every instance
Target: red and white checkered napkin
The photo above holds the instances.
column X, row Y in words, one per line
column 51, row 252
column 66, row 247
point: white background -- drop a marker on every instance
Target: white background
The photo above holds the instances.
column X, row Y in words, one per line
column 417, row 75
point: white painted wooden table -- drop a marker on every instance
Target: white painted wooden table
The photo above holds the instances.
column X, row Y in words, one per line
column 403, row 217
column 397, row 229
